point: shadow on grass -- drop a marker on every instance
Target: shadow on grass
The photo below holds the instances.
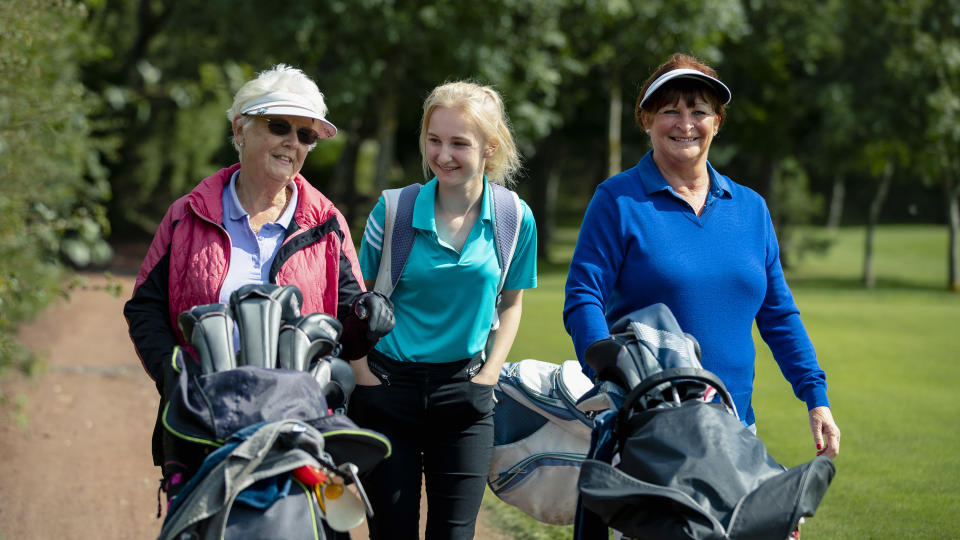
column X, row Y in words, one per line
column 560, row 266
column 856, row 284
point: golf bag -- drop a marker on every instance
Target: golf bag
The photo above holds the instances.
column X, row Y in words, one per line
column 541, row 435
column 260, row 449
column 686, row 468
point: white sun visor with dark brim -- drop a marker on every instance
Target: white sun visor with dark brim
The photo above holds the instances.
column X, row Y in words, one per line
column 288, row 104
column 686, row 73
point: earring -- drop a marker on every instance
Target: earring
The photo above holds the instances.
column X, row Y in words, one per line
column 240, row 144
column 715, row 132
column 648, row 131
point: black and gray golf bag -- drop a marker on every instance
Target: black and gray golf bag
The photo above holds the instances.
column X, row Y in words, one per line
column 256, row 435
column 673, row 461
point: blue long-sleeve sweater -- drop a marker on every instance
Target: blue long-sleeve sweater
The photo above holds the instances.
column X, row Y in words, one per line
column 640, row 243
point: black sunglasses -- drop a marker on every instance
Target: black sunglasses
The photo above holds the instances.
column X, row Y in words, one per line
column 280, row 127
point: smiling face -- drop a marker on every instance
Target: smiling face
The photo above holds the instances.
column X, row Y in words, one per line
column 455, row 148
column 681, row 132
column 267, row 155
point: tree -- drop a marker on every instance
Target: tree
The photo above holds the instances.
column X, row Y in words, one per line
column 905, row 97
column 173, row 74
column 51, row 190
column 777, row 72
column 611, row 45
column 930, row 62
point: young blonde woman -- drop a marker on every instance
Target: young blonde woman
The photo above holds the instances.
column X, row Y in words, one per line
column 428, row 384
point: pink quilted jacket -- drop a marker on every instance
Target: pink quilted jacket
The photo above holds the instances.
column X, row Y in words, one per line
column 199, row 248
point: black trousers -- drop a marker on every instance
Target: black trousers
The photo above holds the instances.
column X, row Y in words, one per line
column 440, row 427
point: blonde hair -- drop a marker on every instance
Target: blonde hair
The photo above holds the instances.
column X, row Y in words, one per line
column 279, row 78
column 485, row 106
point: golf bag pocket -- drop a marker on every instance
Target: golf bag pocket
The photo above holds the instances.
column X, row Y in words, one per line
column 245, row 489
column 538, row 474
column 541, row 437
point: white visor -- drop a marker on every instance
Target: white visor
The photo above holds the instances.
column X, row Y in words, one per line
column 288, row 104
column 685, row 73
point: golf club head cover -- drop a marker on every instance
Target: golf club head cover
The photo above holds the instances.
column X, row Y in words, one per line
column 339, row 383
column 305, row 338
column 321, row 371
column 291, row 299
column 258, row 313
column 209, row 330
column 612, row 361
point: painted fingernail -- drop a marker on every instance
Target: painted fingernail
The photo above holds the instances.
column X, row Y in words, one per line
column 819, row 446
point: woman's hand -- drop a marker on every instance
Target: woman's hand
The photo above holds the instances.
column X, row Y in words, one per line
column 487, row 376
column 362, row 373
column 509, row 311
column 826, row 434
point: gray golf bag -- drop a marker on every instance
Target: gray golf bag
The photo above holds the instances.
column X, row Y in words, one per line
column 261, row 448
column 686, row 467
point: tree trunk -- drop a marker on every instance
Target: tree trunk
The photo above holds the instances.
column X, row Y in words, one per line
column 952, row 192
column 869, row 279
column 614, row 129
column 548, row 222
column 386, row 137
column 343, row 183
column 836, row 202
column 544, row 184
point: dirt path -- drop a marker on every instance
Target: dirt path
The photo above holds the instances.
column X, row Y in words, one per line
column 75, row 439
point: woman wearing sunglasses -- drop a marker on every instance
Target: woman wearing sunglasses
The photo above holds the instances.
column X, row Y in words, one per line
column 257, row 221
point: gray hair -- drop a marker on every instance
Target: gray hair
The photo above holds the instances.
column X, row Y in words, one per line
column 279, row 78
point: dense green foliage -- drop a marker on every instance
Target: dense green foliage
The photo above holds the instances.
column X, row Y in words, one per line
column 889, row 356
column 51, row 182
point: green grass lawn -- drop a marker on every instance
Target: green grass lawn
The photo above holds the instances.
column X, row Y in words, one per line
column 892, row 358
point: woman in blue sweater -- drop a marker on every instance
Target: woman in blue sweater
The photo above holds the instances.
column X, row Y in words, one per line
column 673, row 230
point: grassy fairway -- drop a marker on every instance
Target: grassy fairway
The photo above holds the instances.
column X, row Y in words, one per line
column 892, row 357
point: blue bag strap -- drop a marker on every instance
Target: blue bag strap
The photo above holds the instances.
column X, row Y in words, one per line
column 403, row 233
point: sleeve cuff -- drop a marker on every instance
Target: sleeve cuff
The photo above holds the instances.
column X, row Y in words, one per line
column 816, row 397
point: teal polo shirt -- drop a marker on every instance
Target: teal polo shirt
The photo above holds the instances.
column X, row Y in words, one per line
column 444, row 301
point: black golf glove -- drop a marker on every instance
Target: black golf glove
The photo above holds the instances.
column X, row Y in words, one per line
column 377, row 310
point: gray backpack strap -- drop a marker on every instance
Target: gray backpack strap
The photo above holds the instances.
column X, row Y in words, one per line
column 507, row 215
column 398, row 236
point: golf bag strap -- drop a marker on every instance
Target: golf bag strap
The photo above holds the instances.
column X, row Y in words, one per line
column 398, row 236
column 675, row 374
column 587, row 524
column 507, row 215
